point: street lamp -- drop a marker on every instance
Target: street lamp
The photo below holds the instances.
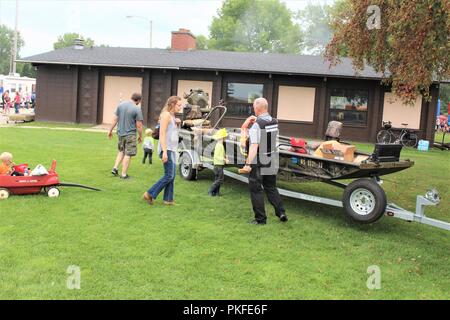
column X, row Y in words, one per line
column 149, row 21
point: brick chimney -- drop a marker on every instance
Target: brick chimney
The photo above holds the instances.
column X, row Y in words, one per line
column 183, row 40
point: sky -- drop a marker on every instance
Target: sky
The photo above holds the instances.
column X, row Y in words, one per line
column 40, row 22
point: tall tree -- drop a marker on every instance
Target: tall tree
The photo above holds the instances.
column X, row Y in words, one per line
column 68, row 40
column 255, row 25
column 202, row 42
column 315, row 20
column 6, row 43
column 407, row 41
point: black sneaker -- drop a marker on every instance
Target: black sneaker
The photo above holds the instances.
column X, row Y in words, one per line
column 115, row 172
column 125, row 177
column 283, row 217
column 257, row 222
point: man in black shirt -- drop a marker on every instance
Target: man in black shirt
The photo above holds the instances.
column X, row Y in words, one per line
column 262, row 163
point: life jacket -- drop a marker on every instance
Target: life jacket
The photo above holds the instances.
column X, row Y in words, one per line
column 267, row 148
column 298, row 145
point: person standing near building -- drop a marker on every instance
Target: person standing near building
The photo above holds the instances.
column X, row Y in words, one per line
column 128, row 118
column 17, row 100
column 167, row 150
column 6, row 101
column 262, row 163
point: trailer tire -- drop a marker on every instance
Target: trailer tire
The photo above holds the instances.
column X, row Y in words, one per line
column 187, row 170
column 53, row 192
column 364, row 201
column 4, row 193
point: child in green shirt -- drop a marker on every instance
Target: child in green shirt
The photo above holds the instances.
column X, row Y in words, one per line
column 148, row 146
column 220, row 159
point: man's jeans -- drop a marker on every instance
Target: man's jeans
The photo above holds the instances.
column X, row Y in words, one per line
column 167, row 181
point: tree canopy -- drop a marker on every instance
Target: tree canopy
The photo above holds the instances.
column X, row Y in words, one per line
column 68, row 40
column 6, row 44
column 407, row 41
column 254, row 25
column 315, row 20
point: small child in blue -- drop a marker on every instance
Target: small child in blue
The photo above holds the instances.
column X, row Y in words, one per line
column 148, row 146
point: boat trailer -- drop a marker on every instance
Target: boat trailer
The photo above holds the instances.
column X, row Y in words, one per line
column 392, row 210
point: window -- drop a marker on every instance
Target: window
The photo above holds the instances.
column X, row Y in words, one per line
column 240, row 97
column 296, row 103
column 349, row 106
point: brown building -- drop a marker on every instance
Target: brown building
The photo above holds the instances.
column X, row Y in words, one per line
column 84, row 85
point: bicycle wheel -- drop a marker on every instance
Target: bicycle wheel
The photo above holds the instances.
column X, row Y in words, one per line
column 384, row 136
column 408, row 140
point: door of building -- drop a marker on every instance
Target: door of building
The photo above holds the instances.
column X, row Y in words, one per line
column 118, row 89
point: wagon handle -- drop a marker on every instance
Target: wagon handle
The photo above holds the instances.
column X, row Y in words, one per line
column 53, row 167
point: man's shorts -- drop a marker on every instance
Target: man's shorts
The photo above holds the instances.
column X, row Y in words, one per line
column 127, row 145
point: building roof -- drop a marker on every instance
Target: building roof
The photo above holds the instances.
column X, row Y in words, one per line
column 202, row 60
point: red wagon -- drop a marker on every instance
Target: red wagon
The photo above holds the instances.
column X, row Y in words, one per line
column 49, row 183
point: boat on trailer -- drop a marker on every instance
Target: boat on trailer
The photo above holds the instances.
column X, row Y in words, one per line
column 363, row 199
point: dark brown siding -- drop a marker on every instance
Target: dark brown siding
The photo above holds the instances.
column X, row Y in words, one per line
column 56, row 93
column 431, row 115
column 87, row 103
column 160, row 90
column 75, row 94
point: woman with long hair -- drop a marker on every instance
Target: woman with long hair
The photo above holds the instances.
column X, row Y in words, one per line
column 167, row 150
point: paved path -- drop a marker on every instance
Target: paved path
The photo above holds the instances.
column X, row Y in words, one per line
column 4, row 124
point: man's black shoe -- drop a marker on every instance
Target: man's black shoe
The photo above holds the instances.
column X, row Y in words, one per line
column 115, row 172
column 283, row 217
column 125, row 177
column 257, row 222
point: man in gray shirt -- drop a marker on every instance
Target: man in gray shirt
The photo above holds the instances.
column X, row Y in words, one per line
column 128, row 118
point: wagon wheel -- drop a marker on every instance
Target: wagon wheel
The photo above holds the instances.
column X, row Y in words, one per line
column 4, row 193
column 364, row 201
column 53, row 192
column 187, row 170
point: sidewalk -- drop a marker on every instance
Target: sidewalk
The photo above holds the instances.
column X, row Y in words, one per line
column 4, row 124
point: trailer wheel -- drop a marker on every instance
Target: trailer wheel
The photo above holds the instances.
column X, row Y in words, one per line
column 4, row 193
column 53, row 192
column 364, row 201
column 187, row 170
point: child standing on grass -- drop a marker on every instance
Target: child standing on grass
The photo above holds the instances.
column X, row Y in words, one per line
column 148, row 146
column 220, row 159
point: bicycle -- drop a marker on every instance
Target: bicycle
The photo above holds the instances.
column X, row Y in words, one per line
column 406, row 137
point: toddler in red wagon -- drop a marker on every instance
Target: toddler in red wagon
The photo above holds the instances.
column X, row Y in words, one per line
column 6, row 165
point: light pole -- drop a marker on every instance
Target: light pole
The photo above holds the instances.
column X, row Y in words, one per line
column 149, row 21
column 12, row 66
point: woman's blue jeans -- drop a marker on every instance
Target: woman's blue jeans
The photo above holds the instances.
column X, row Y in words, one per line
column 167, row 180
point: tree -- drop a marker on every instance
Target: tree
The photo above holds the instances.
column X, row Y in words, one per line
column 6, row 44
column 68, row 40
column 255, row 25
column 202, row 42
column 26, row 69
column 315, row 21
column 406, row 41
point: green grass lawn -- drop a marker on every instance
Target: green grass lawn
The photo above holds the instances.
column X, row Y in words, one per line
column 203, row 248
column 439, row 135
